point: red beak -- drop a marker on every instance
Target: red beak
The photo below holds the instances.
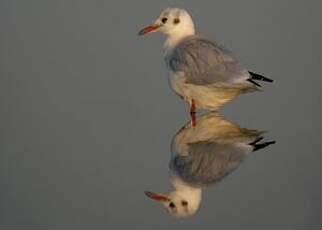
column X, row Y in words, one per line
column 157, row 197
column 149, row 29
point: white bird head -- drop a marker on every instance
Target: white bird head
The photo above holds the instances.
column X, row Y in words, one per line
column 183, row 202
column 174, row 22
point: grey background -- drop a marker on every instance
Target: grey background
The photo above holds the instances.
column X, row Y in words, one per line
column 87, row 115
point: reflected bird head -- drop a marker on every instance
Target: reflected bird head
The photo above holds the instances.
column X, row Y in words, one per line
column 179, row 203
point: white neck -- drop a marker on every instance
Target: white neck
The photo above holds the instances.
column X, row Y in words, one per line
column 174, row 38
column 193, row 194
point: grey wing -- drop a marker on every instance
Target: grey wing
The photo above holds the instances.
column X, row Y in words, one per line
column 204, row 62
column 207, row 162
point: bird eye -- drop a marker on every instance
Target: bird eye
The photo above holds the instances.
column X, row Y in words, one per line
column 184, row 203
column 172, row 205
column 164, row 20
column 176, row 21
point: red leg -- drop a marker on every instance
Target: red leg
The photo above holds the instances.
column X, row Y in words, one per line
column 193, row 119
column 193, row 113
column 192, row 107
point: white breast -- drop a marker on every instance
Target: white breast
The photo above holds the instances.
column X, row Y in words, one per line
column 177, row 83
column 209, row 96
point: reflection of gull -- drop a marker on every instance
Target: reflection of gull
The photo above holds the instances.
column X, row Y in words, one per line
column 202, row 72
column 204, row 155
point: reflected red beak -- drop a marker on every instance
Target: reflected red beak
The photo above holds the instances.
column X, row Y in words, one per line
column 157, row 197
column 149, row 29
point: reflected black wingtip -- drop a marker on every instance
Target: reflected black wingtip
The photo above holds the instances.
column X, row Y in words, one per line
column 258, row 146
column 258, row 77
column 254, row 82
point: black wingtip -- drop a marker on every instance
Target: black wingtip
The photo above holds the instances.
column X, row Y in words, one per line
column 254, row 82
column 255, row 76
column 256, row 141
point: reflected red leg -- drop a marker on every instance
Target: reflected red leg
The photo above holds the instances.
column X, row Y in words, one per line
column 193, row 113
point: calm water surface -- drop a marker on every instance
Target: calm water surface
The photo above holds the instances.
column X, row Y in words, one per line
column 87, row 118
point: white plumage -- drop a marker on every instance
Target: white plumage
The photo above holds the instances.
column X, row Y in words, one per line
column 203, row 73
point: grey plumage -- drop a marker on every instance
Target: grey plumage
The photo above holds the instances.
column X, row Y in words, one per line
column 207, row 153
column 206, row 63
column 201, row 72
column 207, row 163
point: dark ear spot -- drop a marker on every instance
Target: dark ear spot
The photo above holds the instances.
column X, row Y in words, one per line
column 176, row 21
column 184, row 203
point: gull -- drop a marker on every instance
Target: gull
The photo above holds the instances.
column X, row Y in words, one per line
column 204, row 155
column 202, row 72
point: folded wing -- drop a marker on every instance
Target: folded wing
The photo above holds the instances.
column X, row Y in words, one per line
column 204, row 63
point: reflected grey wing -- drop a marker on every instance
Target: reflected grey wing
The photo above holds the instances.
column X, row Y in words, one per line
column 204, row 62
column 208, row 162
